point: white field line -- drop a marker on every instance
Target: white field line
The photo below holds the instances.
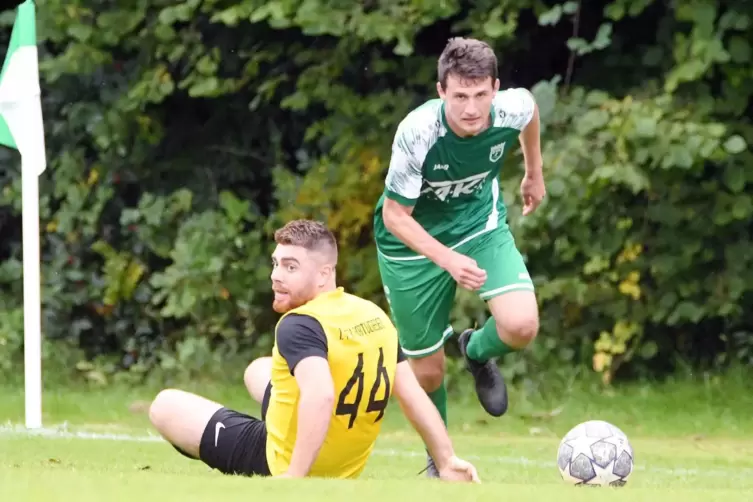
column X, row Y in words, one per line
column 62, row 433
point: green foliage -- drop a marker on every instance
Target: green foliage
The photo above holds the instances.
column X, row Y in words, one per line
column 628, row 217
column 181, row 134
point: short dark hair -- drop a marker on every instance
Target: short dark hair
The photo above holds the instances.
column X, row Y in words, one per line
column 467, row 59
column 308, row 234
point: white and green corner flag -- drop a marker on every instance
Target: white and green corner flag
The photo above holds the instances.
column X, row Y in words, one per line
column 20, row 104
column 21, row 128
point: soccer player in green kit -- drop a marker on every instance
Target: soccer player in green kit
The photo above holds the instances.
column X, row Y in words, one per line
column 441, row 222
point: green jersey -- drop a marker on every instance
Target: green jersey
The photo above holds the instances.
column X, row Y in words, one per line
column 452, row 182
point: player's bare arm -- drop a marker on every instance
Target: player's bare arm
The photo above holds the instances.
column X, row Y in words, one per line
column 530, row 142
column 404, row 182
column 317, row 397
column 425, row 418
column 399, row 221
column 532, row 188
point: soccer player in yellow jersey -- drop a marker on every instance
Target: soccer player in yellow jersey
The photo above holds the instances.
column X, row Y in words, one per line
column 336, row 362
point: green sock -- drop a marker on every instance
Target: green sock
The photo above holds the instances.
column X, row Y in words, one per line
column 439, row 398
column 486, row 344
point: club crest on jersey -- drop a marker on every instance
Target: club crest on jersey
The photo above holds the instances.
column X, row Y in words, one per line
column 496, row 152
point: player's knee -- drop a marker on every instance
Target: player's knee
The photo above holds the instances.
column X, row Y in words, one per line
column 432, row 380
column 518, row 332
column 429, row 372
column 257, row 376
column 161, row 407
column 248, row 375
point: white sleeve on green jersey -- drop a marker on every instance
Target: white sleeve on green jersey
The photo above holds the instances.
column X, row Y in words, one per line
column 514, row 108
column 415, row 135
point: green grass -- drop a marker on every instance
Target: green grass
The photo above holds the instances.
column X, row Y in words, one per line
column 692, row 440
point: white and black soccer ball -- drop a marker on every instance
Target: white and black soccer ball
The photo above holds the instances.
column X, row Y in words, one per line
column 595, row 453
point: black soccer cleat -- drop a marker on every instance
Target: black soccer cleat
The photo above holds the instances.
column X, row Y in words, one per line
column 490, row 386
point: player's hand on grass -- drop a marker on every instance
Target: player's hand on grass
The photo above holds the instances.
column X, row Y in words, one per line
column 465, row 271
column 458, row 469
column 532, row 190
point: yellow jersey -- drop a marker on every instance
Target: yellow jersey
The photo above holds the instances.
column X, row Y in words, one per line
column 361, row 345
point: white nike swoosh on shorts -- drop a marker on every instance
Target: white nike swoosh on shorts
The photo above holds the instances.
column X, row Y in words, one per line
column 217, row 428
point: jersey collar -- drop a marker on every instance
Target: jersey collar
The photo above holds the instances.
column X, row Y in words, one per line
column 328, row 295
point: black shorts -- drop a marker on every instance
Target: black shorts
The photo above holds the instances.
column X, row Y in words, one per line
column 236, row 443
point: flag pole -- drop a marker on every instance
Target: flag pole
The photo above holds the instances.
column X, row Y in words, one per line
column 32, row 295
column 22, row 128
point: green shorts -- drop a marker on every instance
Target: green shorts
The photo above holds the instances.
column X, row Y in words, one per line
column 421, row 294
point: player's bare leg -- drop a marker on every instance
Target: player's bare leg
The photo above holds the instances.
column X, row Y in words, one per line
column 181, row 417
column 516, row 318
column 257, row 377
column 430, row 371
column 513, row 325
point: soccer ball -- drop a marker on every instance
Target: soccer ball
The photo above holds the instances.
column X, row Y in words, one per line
column 595, row 453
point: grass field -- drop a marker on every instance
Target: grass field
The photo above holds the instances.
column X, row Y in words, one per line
column 693, row 442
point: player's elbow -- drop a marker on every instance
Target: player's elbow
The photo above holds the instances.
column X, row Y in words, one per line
column 393, row 214
column 317, row 403
column 388, row 216
column 324, row 395
column 328, row 401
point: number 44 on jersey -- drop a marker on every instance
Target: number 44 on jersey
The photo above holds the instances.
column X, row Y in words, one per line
column 357, row 380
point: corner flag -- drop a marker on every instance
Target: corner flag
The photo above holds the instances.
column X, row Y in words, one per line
column 20, row 105
column 21, row 128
